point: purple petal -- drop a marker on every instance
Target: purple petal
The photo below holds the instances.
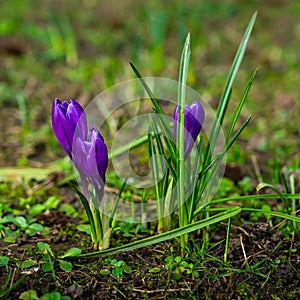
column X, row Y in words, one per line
column 77, row 117
column 198, row 113
column 100, row 152
column 91, row 157
column 193, row 120
column 60, row 126
column 68, row 121
column 80, row 156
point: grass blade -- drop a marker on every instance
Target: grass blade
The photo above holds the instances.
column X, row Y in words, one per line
column 236, row 135
column 87, row 209
column 228, row 87
column 240, row 106
column 116, row 203
column 273, row 213
column 141, row 140
column 194, row 195
column 166, row 128
column 180, row 140
column 256, row 197
column 161, row 148
column 259, row 210
column 155, row 175
column 167, row 235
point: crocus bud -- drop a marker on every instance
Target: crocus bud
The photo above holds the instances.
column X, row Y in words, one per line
column 91, row 158
column 68, row 122
column 193, row 120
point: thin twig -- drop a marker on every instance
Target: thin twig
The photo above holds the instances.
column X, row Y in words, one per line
column 159, row 290
column 244, row 252
column 256, row 168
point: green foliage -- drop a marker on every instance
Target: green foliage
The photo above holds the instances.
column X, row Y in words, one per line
column 28, row 295
column 49, row 258
column 84, row 228
column 130, row 229
column 51, row 203
column 22, row 224
column 245, row 184
column 4, row 261
column 155, row 270
column 65, row 265
column 287, row 182
column 28, row 263
column 69, row 210
column 32, row 295
column 178, row 265
column 101, row 223
column 226, row 188
column 202, row 180
column 71, row 252
column 117, row 268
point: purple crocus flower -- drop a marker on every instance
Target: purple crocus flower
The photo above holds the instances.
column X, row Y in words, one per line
column 91, row 159
column 68, row 119
column 193, row 120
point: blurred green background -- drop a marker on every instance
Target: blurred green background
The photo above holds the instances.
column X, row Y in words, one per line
column 76, row 49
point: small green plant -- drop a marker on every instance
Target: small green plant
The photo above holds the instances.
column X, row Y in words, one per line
column 129, row 228
column 51, row 203
column 11, row 227
column 117, row 268
column 245, row 184
column 69, row 210
column 178, row 266
column 49, row 258
column 3, row 261
column 32, row 295
column 126, row 228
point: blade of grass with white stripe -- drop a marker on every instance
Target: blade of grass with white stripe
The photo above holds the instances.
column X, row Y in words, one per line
column 221, row 111
column 209, row 177
column 167, row 194
column 225, row 97
column 180, row 166
column 160, row 147
column 155, row 175
column 292, row 186
column 240, row 105
column 163, row 194
column 227, row 240
column 99, row 224
column 224, row 101
column 167, row 235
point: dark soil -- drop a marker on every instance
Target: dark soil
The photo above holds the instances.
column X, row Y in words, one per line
column 262, row 264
